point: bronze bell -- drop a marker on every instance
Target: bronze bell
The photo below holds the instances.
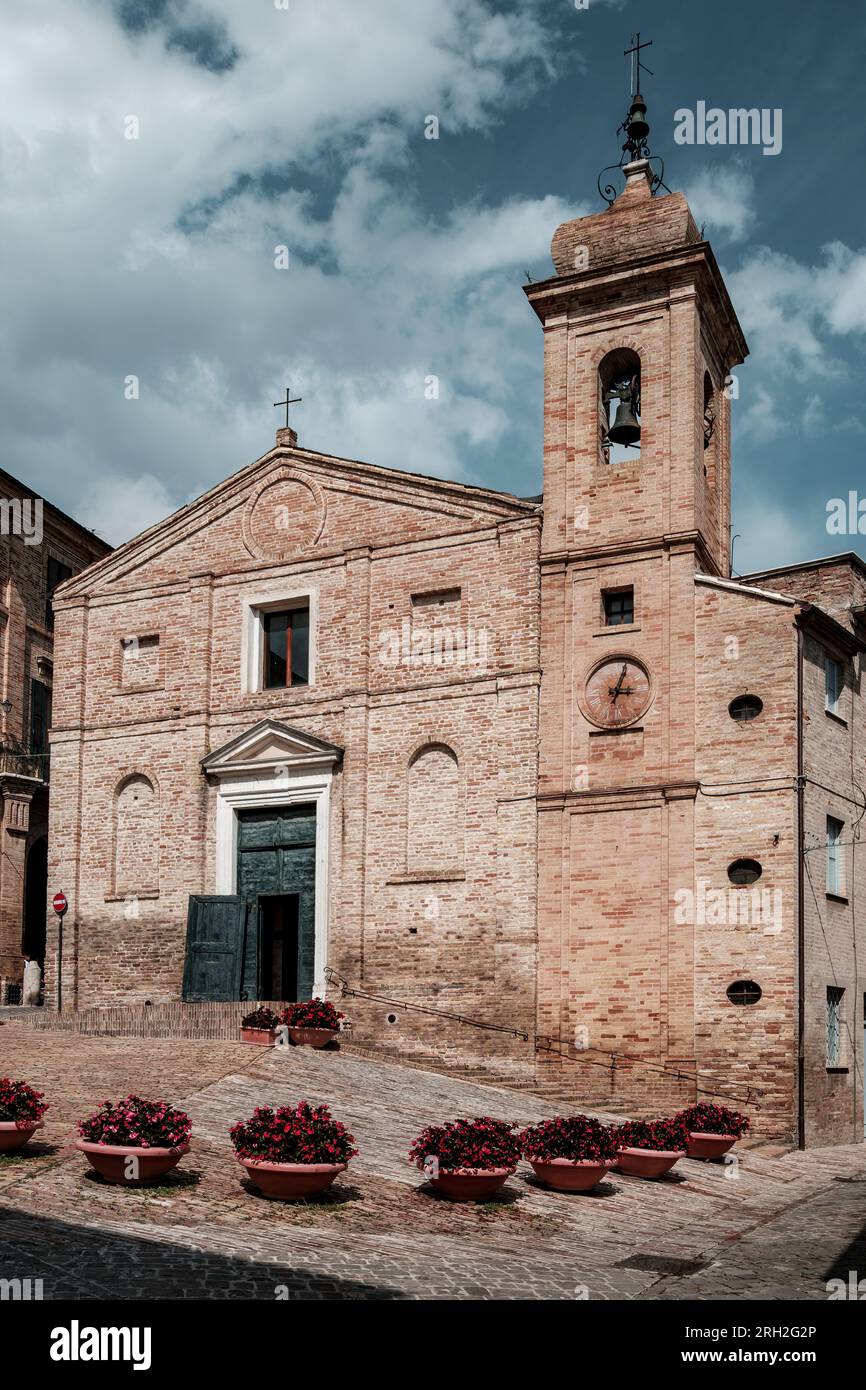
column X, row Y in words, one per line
column 625, row 428
column 637, row 126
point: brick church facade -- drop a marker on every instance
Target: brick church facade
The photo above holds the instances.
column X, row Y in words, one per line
column 534, row 764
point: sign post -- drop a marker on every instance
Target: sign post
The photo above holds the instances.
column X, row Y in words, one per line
column 59, row 903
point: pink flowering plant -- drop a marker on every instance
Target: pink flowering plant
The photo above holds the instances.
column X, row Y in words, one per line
column 483, row 1143
column 306, row 1134
column 313, row 1013
column 19, row 1103
column 137, row 1123
column 261, row 1018
column 661, row 1136
column 575, row 1137
column 706, row 1118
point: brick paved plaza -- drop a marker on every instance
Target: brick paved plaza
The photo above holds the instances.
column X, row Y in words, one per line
column 779, row 1230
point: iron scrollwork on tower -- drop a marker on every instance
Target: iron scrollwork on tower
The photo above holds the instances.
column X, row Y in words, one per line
column 635, row 128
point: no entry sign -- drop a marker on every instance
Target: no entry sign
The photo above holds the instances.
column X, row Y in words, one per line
column 59, row 903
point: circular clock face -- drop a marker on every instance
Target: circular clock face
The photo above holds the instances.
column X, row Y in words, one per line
column 617, row 692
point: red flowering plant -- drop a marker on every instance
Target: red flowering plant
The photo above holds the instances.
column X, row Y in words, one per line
column 19, row 1103
column 573, row 1137
column 661, row 1136
column 138, row 1124
column 261, row 1018
column 306, row 1134
column 312, row 1013
column 706, row 1118
column 482, row 1143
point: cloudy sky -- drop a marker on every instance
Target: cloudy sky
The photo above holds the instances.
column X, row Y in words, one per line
column 301, row 123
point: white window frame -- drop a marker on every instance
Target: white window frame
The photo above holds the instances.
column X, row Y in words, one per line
column 834, row 683
column 272, row 599
column 835, row 862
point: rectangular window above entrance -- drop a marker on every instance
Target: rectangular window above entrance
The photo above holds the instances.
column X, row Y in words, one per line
column 278, row 639
column 286, row 647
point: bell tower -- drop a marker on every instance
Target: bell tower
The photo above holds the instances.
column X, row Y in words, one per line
column 639, row 340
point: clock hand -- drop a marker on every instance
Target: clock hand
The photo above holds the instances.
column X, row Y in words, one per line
column 618, row 687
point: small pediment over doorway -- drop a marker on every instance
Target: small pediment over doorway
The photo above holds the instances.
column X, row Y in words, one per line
column 271, row 745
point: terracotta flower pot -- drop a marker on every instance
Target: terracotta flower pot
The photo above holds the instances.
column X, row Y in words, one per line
column 14, row 1135
column 287, row 1182
column 709, row 1145
column 312, row 1037
column 570, row 1175
column 262, row 1037
column 470, row 1184
column 109, row 1160
column 648, row 1163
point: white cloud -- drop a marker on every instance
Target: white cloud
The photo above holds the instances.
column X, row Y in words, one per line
column 723, row 199
column 841, row 289
column 792, row 311
column 759, row 418
column 125, row 506
column 156, row 256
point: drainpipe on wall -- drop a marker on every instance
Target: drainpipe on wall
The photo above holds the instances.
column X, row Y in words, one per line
column 801, row 912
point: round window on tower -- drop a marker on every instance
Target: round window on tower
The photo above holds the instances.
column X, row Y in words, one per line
column 745, row 708
column 744, row 871
column 744, row 992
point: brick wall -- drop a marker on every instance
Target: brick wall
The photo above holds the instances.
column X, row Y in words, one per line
column 834, row 757
column 746, row 809
column 618, row 811
column 27, row 656
column 462, row 933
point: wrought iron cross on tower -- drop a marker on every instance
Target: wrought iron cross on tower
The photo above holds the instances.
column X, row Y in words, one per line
column 290, row 400
column 635, row 128
column 637, row 67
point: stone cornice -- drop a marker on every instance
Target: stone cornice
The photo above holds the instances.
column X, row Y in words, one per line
column 553, row 296
column 618, row 798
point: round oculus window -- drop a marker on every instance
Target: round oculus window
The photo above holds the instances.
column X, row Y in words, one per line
column 745, row 871
column 744, row 992
column 745, row 708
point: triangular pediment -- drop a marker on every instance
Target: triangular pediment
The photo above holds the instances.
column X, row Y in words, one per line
column 294, row 504
column 270, row 744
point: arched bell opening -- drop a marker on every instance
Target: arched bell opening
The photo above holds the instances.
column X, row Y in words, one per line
column 710, row 428
column 619, row 381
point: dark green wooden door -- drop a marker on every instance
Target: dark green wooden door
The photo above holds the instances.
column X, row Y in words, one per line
column 214, row 948
column 277, row 858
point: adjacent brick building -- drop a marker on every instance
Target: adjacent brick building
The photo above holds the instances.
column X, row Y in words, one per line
column 40, row 547
column 539, row 765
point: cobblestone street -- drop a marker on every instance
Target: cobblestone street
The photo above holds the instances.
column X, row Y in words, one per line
column 778, row 1230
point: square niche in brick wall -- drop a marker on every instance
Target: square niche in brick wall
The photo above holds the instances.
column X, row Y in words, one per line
column 140, row 662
